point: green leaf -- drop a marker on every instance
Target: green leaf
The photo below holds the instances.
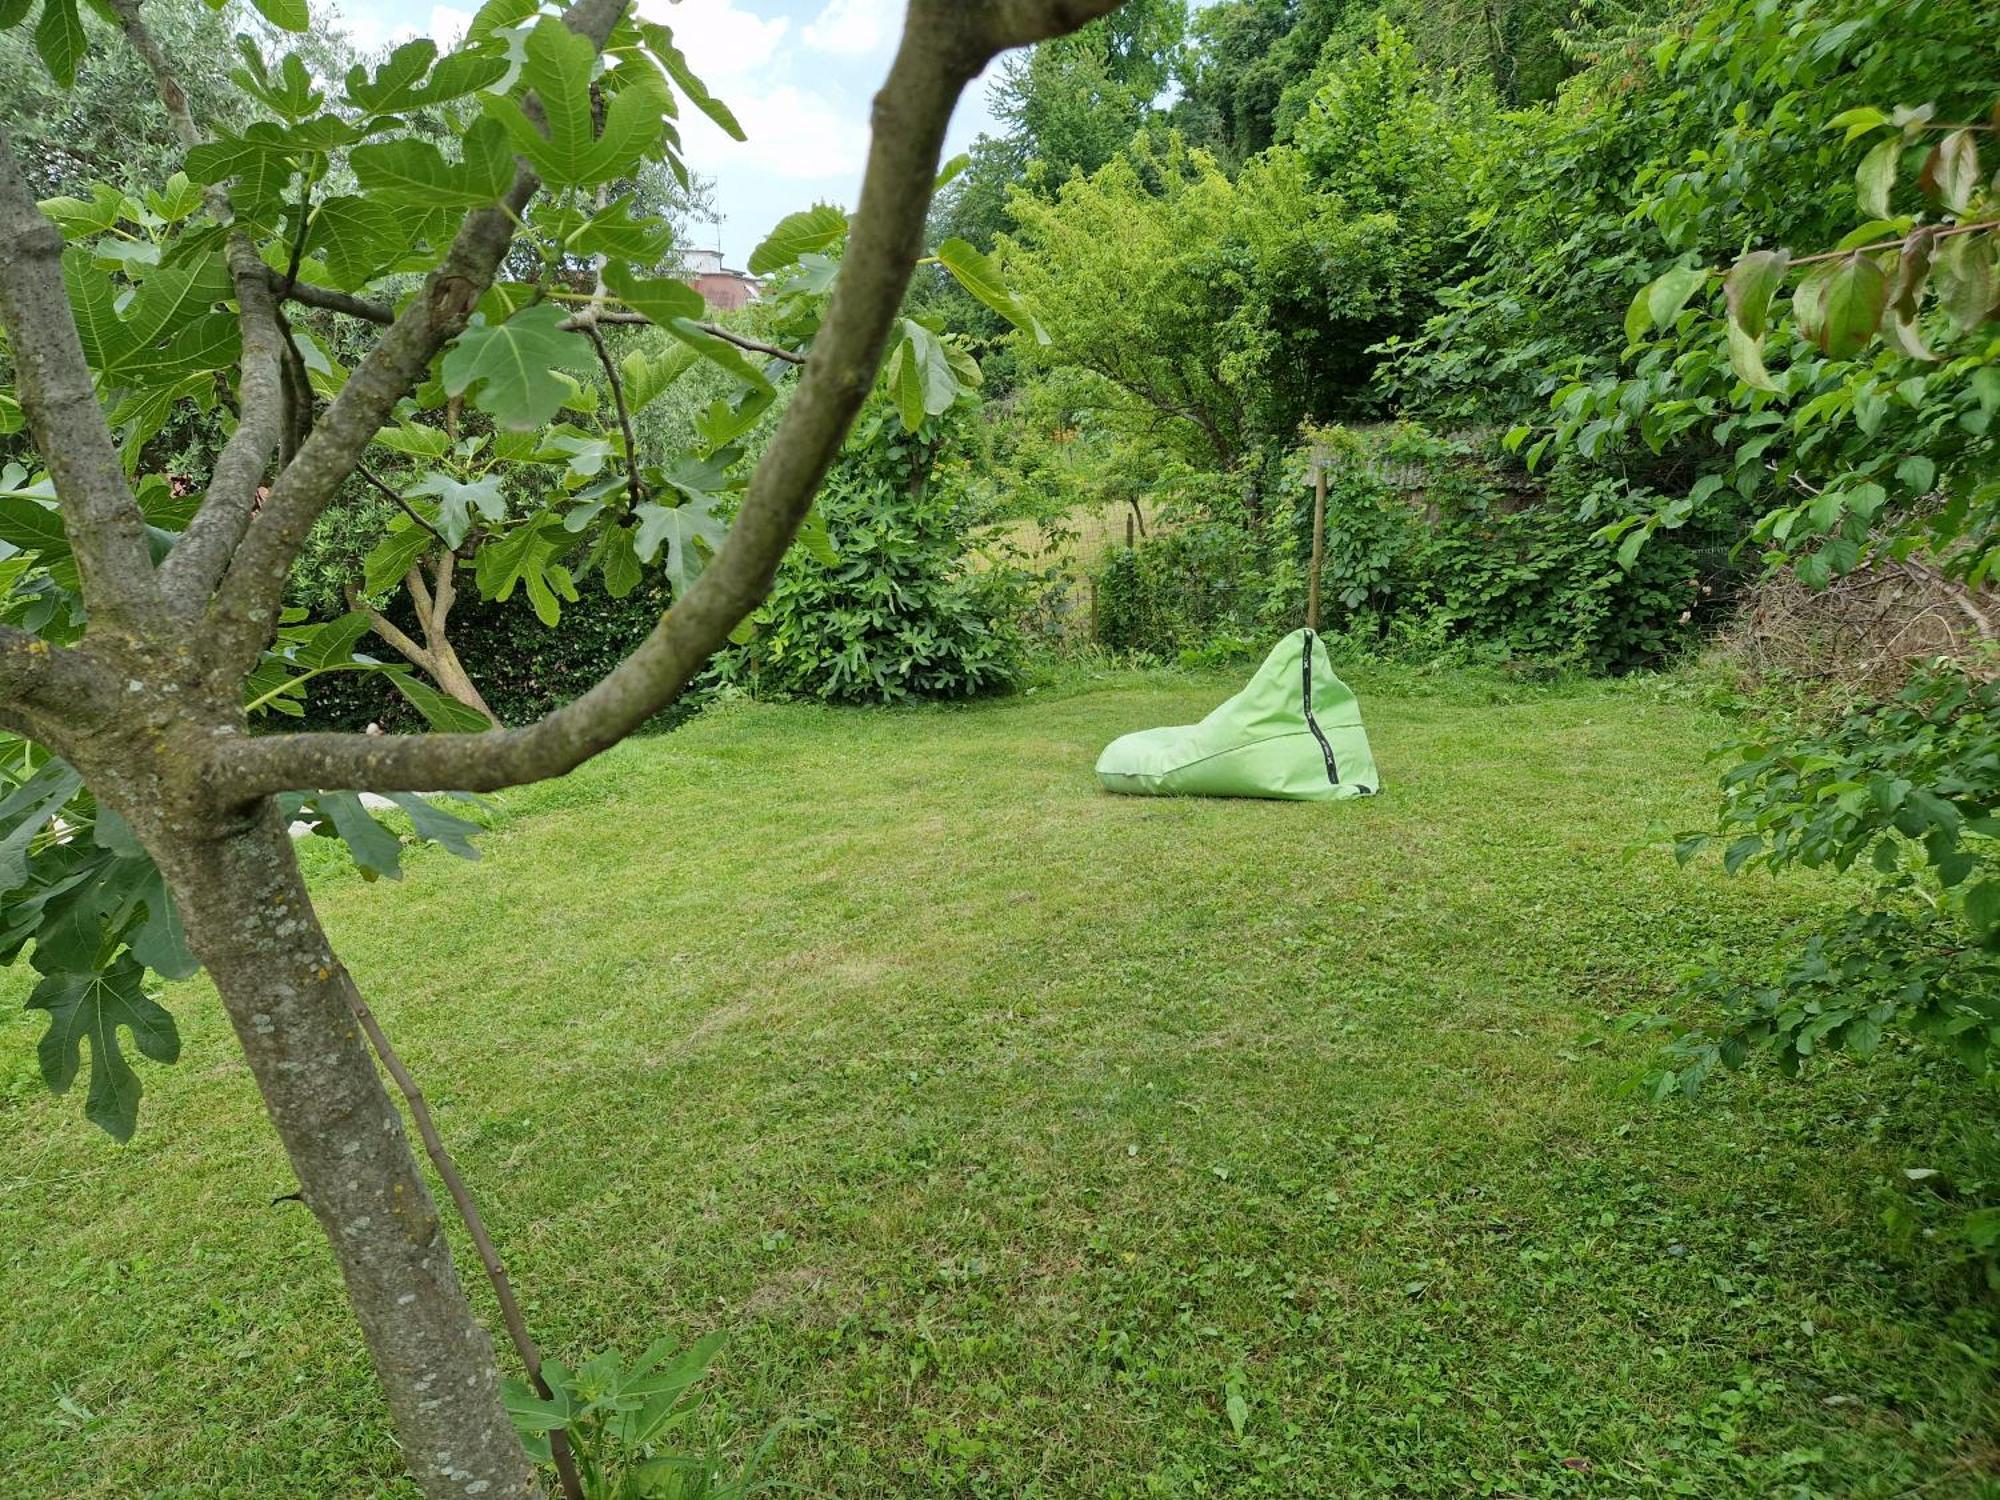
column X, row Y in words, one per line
column 620, row 562
column 60, row 39
column 160, row 942
column 1876, row 176
column 1856, row 293
column 565, row 149
column 356, row 238
column 674, row 307
column 458, row 501
column 95, row 1006
column 948, row 173
column 1858, row 122
column 1750, row 285
column 689, row 533
column 647, row 377
column 806, row 232
column 432, row 823
column 1669, row 294
column 1965, row 276
column 393, row 556
column 413, row 173
column 615, row 232
column 376, row 851
column 444, row 714
column 33, row 527
column 660, row 42
column 817, row 540
column 905, row 384
column 1982, row 907
column 928, row 373
column 286, row 15
column 512, row 371
column 1913, row 269
column 1628, row 550
column 979, row 275
column 1746, row 358
column 396, row 84
column 258, row 166
column 414, row 440
column 526, row 557
column 1951, row 171
column 26, row 811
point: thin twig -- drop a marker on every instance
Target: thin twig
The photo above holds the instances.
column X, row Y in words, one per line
column 291, row 277
column 755, row 346
column 639, row 320
column 408, row 509
column 1936, row 234
column 632, row 480
column 475, row 1226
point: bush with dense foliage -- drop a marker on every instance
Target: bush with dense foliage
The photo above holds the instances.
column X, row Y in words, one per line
column 900, row 611
column 1428, row 547
column 524, row 668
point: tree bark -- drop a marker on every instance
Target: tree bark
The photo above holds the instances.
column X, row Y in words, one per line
column 291, row 1003
column 454, row 679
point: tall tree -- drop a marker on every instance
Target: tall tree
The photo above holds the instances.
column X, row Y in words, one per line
column 138, row 624
column 1068, row 106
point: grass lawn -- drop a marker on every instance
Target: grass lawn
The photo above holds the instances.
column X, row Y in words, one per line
column 1007, row 1127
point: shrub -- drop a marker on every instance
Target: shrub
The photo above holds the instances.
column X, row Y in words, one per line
column 522, row 667
column 1425, row 543
column 1177, row 589
column 900, row 611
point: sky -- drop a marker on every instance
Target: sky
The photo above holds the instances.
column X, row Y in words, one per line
column 798, row 73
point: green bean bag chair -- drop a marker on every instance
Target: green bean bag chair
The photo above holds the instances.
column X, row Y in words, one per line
column 1294, row 733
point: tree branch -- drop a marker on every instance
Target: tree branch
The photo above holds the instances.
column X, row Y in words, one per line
column 946, row 43
column 755, row 346
column 386, row 628
column 633, row 485
column 244, row 611
column 603, row 315
column 196, row 562
column 99, row 515
column 50, row 681
column 329, row 300
column 408, row 509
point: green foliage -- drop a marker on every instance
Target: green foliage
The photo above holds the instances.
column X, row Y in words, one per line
column 524, row 667
column 1179, row 590
column 620, row 1419
column 1067, row 107
column 1177, row 286
column 1425, row 544
column 1906, row 793
column 898, row 610
column 1909, row 791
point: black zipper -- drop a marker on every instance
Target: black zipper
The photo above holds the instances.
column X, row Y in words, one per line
column 1306, row 685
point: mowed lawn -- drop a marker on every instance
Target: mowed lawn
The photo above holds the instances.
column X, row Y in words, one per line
column 1008, row 1128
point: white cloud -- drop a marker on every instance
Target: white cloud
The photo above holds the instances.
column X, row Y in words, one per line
column 374, row 28
column 795, row 133
column 852, row 28
column 721, row 39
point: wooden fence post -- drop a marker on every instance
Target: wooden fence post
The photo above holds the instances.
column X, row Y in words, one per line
column 1319, row 535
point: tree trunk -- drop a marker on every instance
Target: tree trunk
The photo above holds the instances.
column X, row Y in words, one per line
column 449, row 673
column 250, row 921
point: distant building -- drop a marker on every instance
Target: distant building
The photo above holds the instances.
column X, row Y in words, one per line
column 720, row 287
